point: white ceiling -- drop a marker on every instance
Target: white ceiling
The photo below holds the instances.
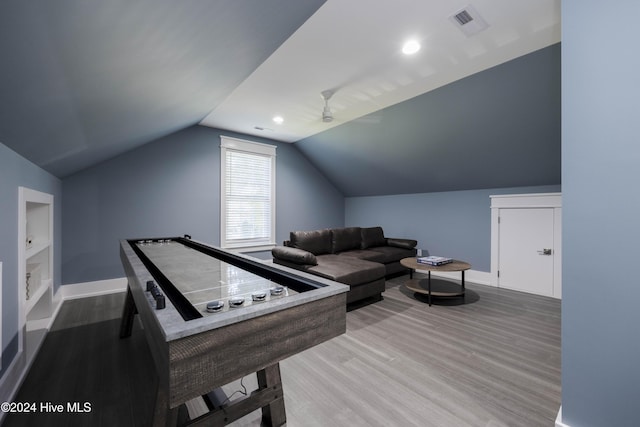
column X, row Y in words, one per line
column 353, row 47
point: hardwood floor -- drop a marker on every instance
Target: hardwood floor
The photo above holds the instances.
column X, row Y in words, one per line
column 494, row 361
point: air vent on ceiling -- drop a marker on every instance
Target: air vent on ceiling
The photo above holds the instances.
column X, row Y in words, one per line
column 469, row 21
column 463, row 17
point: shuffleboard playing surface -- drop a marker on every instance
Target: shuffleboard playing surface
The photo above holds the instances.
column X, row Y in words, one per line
column 202, row 278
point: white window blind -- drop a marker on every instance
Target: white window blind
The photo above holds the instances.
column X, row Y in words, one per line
column 247, row 194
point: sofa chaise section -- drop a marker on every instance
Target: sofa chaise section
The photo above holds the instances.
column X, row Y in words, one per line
column 358, row 257
column 373, row 246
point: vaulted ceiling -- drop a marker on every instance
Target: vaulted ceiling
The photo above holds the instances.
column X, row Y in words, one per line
column 83, row 81
column 499, row 128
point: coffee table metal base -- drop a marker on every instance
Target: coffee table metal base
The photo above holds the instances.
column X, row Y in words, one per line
column 439, row 288
column 436, row 287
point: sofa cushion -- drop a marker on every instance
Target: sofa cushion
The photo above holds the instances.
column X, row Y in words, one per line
column 392, row 253
column 294, row 255
column 348, row 270
column 372, row 236
column 317, row 242
column 365, row 254
column 345, row 239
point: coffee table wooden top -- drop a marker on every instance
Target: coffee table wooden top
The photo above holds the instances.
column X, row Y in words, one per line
column 452, row 266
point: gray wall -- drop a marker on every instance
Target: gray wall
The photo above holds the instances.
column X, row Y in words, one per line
column 17, row 171
column 171, row 187
column 498, row 128
column 452, row 223
column 601, row 208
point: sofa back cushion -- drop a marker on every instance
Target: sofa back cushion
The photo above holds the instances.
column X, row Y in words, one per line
column 317, row 242
column 372, row 237
column 345, row 239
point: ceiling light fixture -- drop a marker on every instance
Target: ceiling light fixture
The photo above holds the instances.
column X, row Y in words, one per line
column 410, row 47
column 278, row 119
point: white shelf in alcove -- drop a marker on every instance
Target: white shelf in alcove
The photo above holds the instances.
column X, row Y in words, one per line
column 33, row 299
column 35, row 225
column 36, row 247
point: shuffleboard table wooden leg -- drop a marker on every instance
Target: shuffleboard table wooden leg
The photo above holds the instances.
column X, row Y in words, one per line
column 128, row 315
column 163, row 416
column 274, row 413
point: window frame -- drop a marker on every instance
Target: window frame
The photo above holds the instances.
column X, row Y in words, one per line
column 255, row 148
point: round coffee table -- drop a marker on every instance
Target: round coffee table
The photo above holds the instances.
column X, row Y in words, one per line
column 439, row 288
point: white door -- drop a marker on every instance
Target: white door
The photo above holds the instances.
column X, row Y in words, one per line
column 526, row 250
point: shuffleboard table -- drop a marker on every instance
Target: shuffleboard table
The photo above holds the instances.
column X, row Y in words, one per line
column 211, row 316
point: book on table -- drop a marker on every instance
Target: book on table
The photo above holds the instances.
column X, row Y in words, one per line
column 434, row 260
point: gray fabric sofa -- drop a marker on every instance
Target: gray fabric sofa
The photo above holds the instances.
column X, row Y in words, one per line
column 356, row 256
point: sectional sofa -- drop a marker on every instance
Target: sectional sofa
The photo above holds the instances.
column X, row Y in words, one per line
column 356, row 256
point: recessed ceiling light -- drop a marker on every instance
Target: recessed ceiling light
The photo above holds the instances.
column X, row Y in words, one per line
column 410, row 47
column 278, row 119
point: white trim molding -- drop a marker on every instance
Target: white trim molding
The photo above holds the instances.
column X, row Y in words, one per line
column 532, row 200
column 559, row 422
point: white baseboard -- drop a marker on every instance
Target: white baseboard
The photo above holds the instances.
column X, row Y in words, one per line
column 18, row 369
column 559, row 422
column 470, row 276
column 91, row 289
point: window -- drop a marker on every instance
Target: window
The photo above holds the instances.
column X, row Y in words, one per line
column 247, row 195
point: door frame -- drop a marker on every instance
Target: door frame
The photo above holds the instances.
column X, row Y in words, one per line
column 522, row 201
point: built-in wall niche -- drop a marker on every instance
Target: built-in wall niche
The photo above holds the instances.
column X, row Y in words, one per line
column 37, row 224
column 35, row 259
column 37, row 280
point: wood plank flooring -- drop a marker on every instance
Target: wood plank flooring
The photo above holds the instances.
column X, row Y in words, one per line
column 494, row 361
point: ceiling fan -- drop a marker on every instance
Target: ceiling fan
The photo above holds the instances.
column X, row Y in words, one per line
column 327, row 115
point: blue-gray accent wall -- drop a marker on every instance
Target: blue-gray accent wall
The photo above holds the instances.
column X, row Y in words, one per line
column 601, row 211
column 16, row 172
column 171, row 187
column 452, row 223
column 498, row 128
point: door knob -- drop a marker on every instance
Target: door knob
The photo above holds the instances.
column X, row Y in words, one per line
column 545, row 252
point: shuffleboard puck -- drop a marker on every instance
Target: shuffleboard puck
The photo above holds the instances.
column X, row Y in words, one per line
column 236, row 302
column 277, row 291
column 259, row 296
column 215, row 306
